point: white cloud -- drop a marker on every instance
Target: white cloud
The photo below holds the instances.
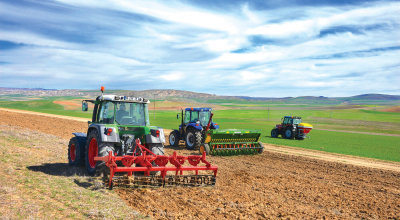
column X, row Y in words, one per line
column 140, row 42
column 172, row 76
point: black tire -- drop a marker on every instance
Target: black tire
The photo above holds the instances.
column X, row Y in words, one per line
column 192, row 139
column 99, row 167
column 174, row 138
column 204, row 147
column 274, row 133
column 157, row 149
column 76, row 153
column 289, row 133
column 260, row 150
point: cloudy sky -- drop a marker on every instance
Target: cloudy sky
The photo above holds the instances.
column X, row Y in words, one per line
column 262, row 48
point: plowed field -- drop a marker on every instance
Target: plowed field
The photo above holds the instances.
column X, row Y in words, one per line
column 271, row 185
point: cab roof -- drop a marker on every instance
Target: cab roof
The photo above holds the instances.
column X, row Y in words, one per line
column 293, row 117
column 199, row 109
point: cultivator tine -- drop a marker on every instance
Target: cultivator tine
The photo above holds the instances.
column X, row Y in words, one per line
column 163, row 180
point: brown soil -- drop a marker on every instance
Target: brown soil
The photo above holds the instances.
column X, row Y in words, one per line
column 271, row 185
column 66, row 103
column 392, row 109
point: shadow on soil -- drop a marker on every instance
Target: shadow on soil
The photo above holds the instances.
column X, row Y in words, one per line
column 59, row 169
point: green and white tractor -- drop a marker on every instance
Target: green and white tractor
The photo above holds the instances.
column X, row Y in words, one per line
column 116, row 122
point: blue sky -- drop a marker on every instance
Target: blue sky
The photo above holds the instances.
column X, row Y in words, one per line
column 227, row 47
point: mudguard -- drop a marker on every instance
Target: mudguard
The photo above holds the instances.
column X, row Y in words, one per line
column 193, row 125
column 102, row 129
column 81, row 138
column 153, row 139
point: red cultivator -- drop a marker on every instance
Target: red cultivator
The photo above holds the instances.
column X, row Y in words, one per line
column 147, row 163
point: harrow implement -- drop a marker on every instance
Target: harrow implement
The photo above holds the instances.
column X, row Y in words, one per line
column 146, row 162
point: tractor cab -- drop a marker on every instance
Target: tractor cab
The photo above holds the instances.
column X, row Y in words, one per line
column 291, row 120
column 196, row 118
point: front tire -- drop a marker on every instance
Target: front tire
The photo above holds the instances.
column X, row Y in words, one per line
column 193, row 139
column 274, row 133
column 76, row 153
column 94, row 149
column 174, row 138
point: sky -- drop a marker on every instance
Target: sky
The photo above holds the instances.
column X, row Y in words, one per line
column 260, row 48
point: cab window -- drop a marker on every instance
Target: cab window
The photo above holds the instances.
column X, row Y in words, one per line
column 106, row 113
column 194, row 117
column 187, row 117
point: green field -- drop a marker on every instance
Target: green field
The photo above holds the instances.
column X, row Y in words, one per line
column 364, row 145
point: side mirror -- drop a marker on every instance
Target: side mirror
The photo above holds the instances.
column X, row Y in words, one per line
column 177, row 116
column 85, row 106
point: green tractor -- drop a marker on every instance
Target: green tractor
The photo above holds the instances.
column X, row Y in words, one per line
column 116, row 122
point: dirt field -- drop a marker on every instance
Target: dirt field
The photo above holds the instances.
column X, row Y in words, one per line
column 393, row 109
column 271, row 185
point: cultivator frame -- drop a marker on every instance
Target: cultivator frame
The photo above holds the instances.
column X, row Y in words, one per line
column 145, row 159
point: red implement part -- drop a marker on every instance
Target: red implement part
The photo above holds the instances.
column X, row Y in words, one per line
column 145, row 161
column 209, row 122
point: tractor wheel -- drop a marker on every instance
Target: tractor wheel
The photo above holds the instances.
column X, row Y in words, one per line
column 204, row 148
column 174, row 138
column 76, row 153
column 289, row 134
column 260, row 150
column 94, row 149
column 193, row 139
column 157, row 149
column 274, row 133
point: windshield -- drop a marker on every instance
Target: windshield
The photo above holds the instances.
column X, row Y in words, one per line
column 131, row 114
column 296, row 121
column 204, row 117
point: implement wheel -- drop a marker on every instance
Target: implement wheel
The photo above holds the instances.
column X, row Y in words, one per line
column 193, row 139
column 76, row 153
column 260, row 150
column 204, row 148
column 174, row 138
column 94, row 149
column 289, row 134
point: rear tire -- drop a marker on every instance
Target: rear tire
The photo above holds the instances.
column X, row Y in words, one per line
column 260, row 150
column 174, row 138
column 274, row 133
column 193, row 139
column 157, row 149
column 204, row 148
column 94, row 149
column 289, row 133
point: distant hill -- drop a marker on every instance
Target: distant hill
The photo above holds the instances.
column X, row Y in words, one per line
column 375, row 97
column 180, row 94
